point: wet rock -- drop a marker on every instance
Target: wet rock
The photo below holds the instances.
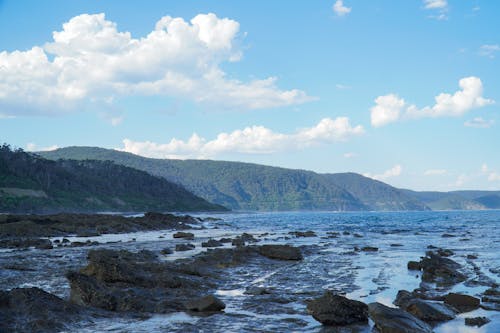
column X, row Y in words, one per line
column 65, row 241
column 281, row 252
column 443, row 271
column 414, row 265
column 34, row 310
column 166, row 251
column 427, row 311
column 369, row 249
column 26, row 242
column 476, row 321
column 447, row 235
column 308, row 233
column 463, row 303
column 208, row 303
column 257, row 291
column 184, row 247
column 471, row 256
column 391, row 320
column 211, row 243
column 225, row 240
column 445, row 252
column 238, row 242
column 184, row 235
column 396, row 245
column 335, row 310
column 358, row 235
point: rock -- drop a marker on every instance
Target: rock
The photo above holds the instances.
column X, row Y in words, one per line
column 357, row 235
column 166, row 251
column 396, row 245
column 414, row 265
column 492, row 292
column 65, row 241
column 471, row 256
column 208, row 303
column 335, row 310
column 184, row 235
column 225, row 240
column 34, row 310
column 184, row 247
column 463, row 303
column 281, row 252
column 308, row 233
column 238, row 242
column 369, row 249
column 448, row 235
column 44, row 244
column 391, row 320
column 424, row 310
column 443, row 271
column 476, row 321
column 211, row 243
column 445, row 252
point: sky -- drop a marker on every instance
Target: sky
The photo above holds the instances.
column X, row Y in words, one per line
column 406, row 92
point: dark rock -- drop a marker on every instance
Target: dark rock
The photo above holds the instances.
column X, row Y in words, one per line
column 463, row 303
column 257, row 291
column 34, row 310
column 335, row 310
column 391, row 320
column 281, row 252
column 238, row 242
column 443, row 271
column 445, row 252
column 65, row 241
column 211, row 243
column 471, row 256
column 166, row 251
column 208, row 303
column 358, row 235
column 424, row 310
column 476, row 321
column 308, row 233
column 492, row 291
column 396, row 245
column 225, row 240
column 184, row 235
column 369, row 249
column 184, row 247
column 44, row 244
column 414, row 265
column 448, row 235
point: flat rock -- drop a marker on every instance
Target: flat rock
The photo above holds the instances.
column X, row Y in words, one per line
column 280, row 252
column 184, row 247
column 392, row 320
column 184, row 235
column 208, row 303
column 335, row 310
column 425, row 310
column 211, row 243
column 463, row 303
column 477, row 321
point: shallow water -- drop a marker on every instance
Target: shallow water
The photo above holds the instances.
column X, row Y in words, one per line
column 366, row 276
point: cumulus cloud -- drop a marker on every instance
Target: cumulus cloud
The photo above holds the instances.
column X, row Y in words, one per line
column 395, row 171
column 479, row 122
column 91, row 61
column 441, row 6
column 250, row 140
column 30, row 146
column 340, row 9
column 390, row 108
column 489, row 50
column 492, row 175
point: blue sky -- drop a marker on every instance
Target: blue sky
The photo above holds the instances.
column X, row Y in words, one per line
column 403, row 91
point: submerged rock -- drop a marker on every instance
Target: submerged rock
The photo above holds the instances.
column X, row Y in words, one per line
column 477, row 321
column 208, row 303
column 335, row 310
column 463, row 303
column 281, row 252
column 391, row 320
column 34, row 310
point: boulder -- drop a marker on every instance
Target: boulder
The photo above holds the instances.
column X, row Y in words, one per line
column 425, row 310
column 476, row 321
column 392, row 320
column 280, row 252
column 414, row 265
column 184, row 247
column 208, row 303
column 335, row 310
column 443, row 271
column 463, row 303
column 257, row 291
column 211, row 243
column 184, row 235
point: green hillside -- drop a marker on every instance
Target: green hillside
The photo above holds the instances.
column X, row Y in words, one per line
column 29, row 183
column 245, row 186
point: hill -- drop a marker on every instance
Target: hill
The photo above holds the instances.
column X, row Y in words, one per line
column 246, row 186
column 29, row 183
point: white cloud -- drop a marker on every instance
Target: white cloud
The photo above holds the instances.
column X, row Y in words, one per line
column 250, row 140
column 493, row 176
column 441, row 6
column 435, row 172
column 350, row 155
column 340, row 9
column 395, row 171
column 391, row 108
column 33, row 147
column 435, row 4
column 90, row 61
column 340, row 86
column 479, row 122
column 489, row 50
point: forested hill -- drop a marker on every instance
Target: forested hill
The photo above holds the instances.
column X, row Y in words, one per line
column 245, row 186
column 29, row 183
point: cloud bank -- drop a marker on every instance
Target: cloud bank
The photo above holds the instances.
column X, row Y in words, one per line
column 391, row 108
column 250, row 140
column 91, row 61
